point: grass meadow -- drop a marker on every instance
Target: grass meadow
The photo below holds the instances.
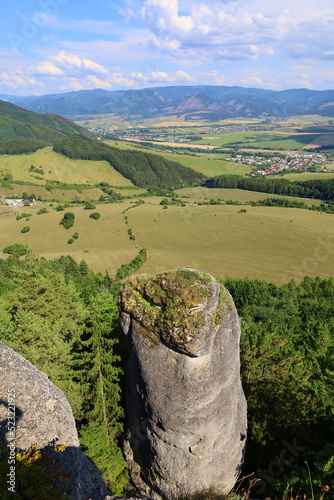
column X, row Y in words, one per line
column 275, row 244
column 58, row 167
column 306, row 176
column 103, row 243
column 55, row 194
column 261, row 139
column 202, row 193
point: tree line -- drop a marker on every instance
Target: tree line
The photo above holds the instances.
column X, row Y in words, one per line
column 143, row 169
column 322, row 189
column 20, row 146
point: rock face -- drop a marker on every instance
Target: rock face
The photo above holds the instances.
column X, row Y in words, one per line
column 186, row 407
column 43, row 418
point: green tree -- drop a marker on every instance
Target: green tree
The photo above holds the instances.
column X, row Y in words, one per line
column 68, row 220
column 89, row 205
column 100, row 375
column 17, row 249
column 95, row 215
column 42, row 319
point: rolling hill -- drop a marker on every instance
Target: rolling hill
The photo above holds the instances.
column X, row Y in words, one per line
column 18, row 123
column 142, row 169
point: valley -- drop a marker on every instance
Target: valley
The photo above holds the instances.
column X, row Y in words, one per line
column 248, row 199
column 218, row 230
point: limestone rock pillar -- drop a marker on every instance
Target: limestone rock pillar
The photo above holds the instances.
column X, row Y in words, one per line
column 185, row 404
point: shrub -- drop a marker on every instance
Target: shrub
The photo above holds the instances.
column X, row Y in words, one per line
column 70, row 241
column 164, row 202
column 60, row 208
column 126, row 269
column 68, row 220
column 25, row 229
column 42, row 211
column 75, row 236
column 17, row 249
column 89, row 205
column 24, row 215
column 95, row 215
column 131, row 235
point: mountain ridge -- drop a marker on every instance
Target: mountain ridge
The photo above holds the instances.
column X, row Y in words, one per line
column 209, row 100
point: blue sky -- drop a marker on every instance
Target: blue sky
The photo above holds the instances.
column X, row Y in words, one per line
column 51, row 46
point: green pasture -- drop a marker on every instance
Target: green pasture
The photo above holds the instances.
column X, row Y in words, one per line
column 260, row 139
column 205, row 165
column 306, row 176
column 54, row 194
column 207, row 194
column 104, row 243
column 58, row 167
column 290, row 142
column 275, row 244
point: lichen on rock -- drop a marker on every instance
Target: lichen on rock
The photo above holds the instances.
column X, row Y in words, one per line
column 173, row 307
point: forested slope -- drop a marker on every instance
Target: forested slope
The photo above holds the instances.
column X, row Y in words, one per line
column 65, row 320
column 16, row 122
column 143, row 169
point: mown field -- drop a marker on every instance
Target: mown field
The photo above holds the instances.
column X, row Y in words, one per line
column 276, row 244
column 58, row 167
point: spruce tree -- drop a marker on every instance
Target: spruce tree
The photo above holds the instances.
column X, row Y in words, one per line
column 100, row 376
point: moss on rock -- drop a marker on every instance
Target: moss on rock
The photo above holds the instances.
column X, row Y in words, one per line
column 171, row 306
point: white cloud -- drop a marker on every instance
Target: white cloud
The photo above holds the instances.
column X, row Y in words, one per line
column 72, row 84
column 72, row 60
column 122, row 81
column 161, row 76
column 164, row 14
column 183, row 75
column 241, row 30
column 95, row 82
column 14, row 81
column 46, row 68
column 137, row 75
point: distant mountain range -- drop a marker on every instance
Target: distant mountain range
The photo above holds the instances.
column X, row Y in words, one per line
column 16, row 122
column 201, row 101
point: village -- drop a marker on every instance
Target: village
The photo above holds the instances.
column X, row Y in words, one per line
column 291, row 162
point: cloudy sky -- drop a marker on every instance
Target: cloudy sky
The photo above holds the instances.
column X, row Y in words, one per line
column 50, row 46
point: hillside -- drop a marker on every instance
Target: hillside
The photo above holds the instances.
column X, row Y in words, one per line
column 143, row 169
column 16, row 122
column 208, row 101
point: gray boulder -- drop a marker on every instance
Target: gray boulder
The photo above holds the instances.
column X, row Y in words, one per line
column 43, row 418
column 185, row 404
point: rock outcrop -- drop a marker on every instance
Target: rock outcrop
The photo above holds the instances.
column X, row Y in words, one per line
column 43, row 418
column 185, row 404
